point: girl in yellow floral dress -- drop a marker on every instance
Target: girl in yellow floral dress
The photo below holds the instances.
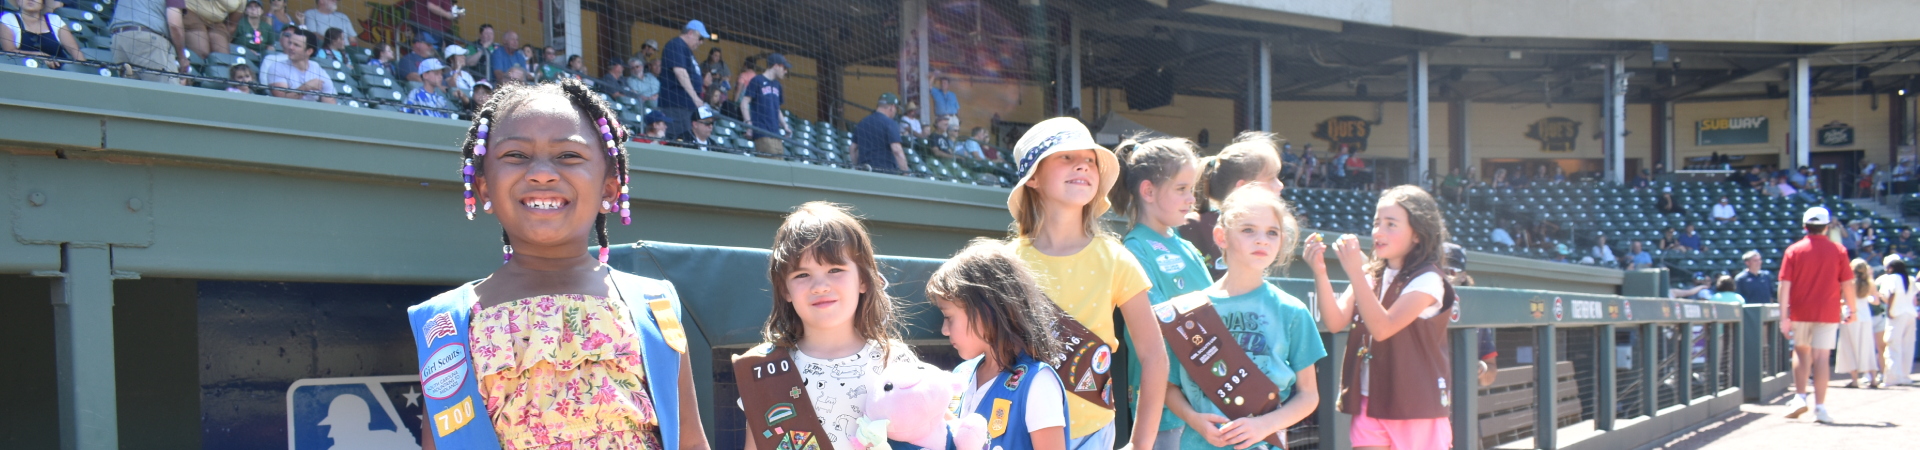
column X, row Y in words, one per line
column 555, row 349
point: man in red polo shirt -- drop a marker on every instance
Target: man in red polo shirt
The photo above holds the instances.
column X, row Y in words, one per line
column 1814, row 277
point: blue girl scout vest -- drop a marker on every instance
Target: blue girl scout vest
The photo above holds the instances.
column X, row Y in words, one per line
column 1004, row 403
column 455, row 407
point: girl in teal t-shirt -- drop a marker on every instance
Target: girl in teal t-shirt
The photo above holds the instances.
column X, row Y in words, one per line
column 1256, row 231
column 1155, row 193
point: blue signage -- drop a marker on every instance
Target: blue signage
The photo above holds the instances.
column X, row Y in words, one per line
column 372, row 413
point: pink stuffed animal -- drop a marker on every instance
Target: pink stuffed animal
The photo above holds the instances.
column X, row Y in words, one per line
column 914, row 403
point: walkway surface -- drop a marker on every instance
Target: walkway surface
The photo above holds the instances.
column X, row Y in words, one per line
column 1863, row 418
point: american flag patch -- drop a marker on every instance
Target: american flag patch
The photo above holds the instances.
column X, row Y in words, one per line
column 439, row 326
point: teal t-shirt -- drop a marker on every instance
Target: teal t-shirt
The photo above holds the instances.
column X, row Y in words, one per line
column 1175, row 268
column 1277, row 332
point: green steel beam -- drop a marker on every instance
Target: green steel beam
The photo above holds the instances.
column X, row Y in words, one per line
column 1546, row 399
column 83, row 337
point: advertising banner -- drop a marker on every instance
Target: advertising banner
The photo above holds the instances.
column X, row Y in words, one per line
column 1732, row 130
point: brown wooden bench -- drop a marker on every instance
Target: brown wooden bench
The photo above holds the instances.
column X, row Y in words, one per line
column 1506, row 408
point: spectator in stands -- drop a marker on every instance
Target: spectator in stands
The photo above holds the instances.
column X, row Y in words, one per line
column 1670, row 241
column 1666, row 204
column 944, row 102
column 716, row 70
column 1903, row 245
column 1559, row 174
column 972, row 147
column 718, row 97
column 297, row 71
column 277, row 12
column 256, row 31
column 1454, row 186
column 1499, row 235
column 1756, row 284
column 147, row 34
column 1638, row 258
column 876, row 140
column 1689, row 240
column 1309, row 170
column 1702, row 288
column 1358, row 175
column 941, row 140
column 326, row 14
column 551, row 66
column 384, row 57
column 1723, row 291
column 699, row 135
column 36, row 31
column 682, row 82
column 516, row 74
column 1338, row 168
column 242, row 78
column 1500, row 178
column 611, row 76
column 208, row 25
column 481, row 50
column 409, row 66
column 910, row 121
column 576, row 66
column 749, row 68
column 429, row 95
column 1850, row 238
column 656, row 124
column 1601, row 253
column 1723, row 211
column 482, row 92
column 1560, row 253
column 1641, row 181
column 506, row 56
column 431, row 18
column 761, row 104
column 644, row 81
column 649, row 50
column 459, row 82
column 335, row 47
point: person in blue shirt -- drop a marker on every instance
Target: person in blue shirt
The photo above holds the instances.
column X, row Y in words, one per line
column 761, row 104
column 876, row 140
column 506, row 57
column 944, row 102
column 1690, row 240
column 681, row 87
column 1275, row 329
column 1638, row 258
column 1756, row 284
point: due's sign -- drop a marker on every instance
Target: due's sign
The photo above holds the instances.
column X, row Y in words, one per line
column 1556, row 134
column 1349, row 130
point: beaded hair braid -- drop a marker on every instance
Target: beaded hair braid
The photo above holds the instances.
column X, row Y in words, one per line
column 473, row 152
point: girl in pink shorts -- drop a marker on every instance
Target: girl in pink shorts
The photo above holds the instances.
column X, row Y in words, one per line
column 1395, row 377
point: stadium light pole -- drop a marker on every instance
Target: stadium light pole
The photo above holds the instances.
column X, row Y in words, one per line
column 1615, row 140
column 1802, row 135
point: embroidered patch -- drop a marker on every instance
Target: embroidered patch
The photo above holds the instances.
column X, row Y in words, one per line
column 446, row 371
column 1086, row 382
column 1013, row 379
column 1170, row 263
column 1102, row 359
column 451, row 419
column 780, row 412
column 1220, row 368
column 441, row 325
column 1164, row 312
column 997, row 425
column 795, row 393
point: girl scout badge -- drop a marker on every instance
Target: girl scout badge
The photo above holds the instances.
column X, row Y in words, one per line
column 779, row 413
column 1199, row 339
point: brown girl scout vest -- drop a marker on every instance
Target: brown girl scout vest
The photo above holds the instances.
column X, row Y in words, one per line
column 1409, row 373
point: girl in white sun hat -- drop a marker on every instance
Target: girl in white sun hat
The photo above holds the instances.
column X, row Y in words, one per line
column 1056, row 207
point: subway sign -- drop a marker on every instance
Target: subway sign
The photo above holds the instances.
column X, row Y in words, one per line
column 1731, row 130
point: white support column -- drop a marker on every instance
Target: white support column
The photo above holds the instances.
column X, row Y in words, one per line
column 573, row 37
column 1417, row 124
column 1263, row 100
column 1073, row 65
column 1799, row 105
column 1615, row 141
column 913, row 27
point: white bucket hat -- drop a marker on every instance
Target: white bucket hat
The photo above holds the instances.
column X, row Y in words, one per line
column 1060, row 134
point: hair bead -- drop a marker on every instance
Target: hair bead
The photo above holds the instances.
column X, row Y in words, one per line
column 603, row 254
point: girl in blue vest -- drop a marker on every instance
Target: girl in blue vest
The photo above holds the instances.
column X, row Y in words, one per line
column 1155, row 194
column 998, row 319
column 1256, row 231
column 831, row 311
column 554, row 349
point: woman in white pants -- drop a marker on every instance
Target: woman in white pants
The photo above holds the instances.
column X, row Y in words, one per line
column 1854, row 353
column 1897, row 291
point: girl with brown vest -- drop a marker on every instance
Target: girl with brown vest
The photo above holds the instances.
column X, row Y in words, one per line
column 1394, row 376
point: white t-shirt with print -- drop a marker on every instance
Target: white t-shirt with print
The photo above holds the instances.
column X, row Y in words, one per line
column 1046, row 400
column 1427, row 283
column 838, row 387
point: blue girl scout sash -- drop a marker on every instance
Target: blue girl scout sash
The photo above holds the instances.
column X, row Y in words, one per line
column 457, row 410
column 1004, row 403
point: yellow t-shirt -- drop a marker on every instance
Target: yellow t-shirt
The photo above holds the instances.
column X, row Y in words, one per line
column 1088, row 285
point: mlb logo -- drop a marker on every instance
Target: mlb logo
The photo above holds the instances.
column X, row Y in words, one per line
column 375, row 413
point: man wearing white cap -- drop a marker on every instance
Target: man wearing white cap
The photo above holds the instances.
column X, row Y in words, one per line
column 1814, row 278
column 428, row 94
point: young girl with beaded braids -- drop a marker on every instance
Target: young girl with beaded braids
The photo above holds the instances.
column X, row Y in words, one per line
column 1395, row 304
column 1155, row 194
column 555, row 349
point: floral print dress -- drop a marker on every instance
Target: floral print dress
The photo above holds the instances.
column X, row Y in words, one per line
column 563, row 372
